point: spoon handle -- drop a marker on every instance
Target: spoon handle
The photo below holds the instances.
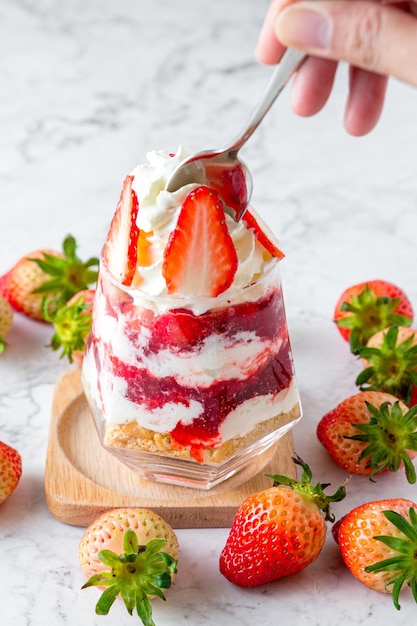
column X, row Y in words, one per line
column 289, row 62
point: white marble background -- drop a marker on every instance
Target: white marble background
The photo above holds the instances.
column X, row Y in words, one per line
column 87, row 87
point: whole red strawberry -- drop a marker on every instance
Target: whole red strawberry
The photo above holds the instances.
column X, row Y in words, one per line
column 277, row 532
column 371, row 432
column 378, row 543
column 365, row 308
column 10, row 470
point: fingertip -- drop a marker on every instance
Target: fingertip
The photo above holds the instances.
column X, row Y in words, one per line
column 268, row 49
column 365, row 101
column 312, row 86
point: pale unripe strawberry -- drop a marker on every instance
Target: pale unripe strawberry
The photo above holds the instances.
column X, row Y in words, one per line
column 378, row 543
column 132, row 552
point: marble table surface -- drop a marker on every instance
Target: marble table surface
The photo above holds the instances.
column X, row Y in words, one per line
column 87, row 87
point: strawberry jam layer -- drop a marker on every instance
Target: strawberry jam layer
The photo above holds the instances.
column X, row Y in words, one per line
column 180, row 330
column 217, row 401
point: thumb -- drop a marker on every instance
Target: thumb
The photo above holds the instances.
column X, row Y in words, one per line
column 375, row 37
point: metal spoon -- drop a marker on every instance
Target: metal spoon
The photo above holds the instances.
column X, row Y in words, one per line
column 221, row 169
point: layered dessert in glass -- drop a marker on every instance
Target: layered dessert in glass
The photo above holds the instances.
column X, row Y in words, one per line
column 188, row 369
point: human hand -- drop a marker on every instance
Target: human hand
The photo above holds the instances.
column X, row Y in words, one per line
column 378, row 38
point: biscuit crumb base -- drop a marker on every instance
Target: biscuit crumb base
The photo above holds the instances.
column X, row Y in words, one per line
column 132, row 436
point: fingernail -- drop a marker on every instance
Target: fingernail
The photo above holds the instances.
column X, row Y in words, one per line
column 304, row 27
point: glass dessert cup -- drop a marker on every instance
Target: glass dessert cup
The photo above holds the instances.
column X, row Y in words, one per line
column 191, row 391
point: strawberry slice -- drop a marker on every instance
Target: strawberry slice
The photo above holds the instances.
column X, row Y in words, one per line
column 200, row 258
column 122, row 239
column 261, row 236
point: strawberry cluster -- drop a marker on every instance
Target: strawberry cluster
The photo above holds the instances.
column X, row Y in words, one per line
column 55, row 287
column 281, row 530
column 375, row 431
column 133, row 552
column 48, row 286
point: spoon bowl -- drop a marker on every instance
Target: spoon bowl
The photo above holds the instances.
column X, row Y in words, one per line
column 222, row 169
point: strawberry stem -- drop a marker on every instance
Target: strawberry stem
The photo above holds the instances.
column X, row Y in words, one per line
column 136, row 575
column 392, row 367
column 314, row 493
column 368, row 314
column 69, row 274
column 72, row 324
column 390, row 433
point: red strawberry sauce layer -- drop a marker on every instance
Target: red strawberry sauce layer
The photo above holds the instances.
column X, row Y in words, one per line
column 180, row 330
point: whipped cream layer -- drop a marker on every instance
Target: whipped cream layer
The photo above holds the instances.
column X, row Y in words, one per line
column 158, row 215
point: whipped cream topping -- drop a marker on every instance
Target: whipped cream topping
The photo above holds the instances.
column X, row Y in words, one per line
column 158, row 215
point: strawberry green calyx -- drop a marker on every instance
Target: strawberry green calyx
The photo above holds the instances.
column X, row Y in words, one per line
column 368, row 314
column 392, row 367
column 72, row 325
column 315, row 493
column 136, row 575
column 390, row 433
column 69, row 274
column 404, row 564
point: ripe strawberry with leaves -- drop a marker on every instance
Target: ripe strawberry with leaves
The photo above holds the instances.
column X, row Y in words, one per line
column 378, row 543
column 366, row 308
column 6, row 322
column 47, row 273
column 390, row 364
column 10, row 470
column 279, row 531
column 371, row 432
column 200, row 258
column 72, row 324
column 131, row 552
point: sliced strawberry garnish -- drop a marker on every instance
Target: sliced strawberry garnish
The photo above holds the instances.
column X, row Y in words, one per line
column 261, row 236
column 200, row 258
column 122, row 239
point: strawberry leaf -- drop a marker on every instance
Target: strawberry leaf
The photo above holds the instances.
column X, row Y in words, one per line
column 404, row 562
column 69, row 273
column 390, row 434
column 140, row 572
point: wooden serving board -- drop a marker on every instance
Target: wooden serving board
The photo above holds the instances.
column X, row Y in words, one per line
column 82, row 479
